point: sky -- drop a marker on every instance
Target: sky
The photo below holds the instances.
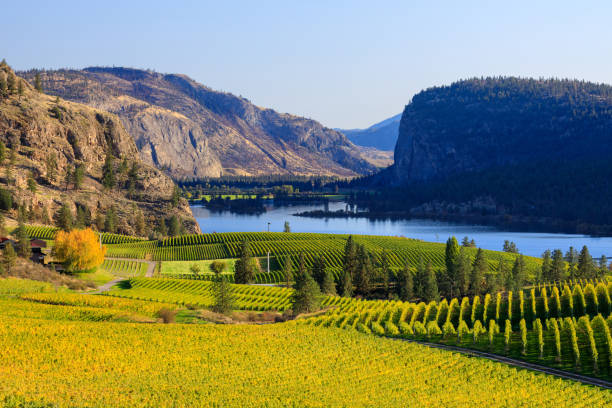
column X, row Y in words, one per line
column 347, row 64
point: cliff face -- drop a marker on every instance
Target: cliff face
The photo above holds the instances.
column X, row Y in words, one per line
column 194, row 131
column 49, row 136
column 474, row 125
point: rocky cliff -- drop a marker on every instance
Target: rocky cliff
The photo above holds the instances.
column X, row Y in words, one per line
column 193, row 131
column 47, row 137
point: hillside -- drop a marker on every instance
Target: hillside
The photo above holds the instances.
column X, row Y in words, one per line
column 48, row 138
column 193, row 131
column 507, row 148
column 382, row 135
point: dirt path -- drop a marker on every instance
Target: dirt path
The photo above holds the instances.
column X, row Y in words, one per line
column 521, row 364
column 107, row 286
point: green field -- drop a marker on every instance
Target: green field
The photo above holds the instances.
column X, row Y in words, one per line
column 183, row 267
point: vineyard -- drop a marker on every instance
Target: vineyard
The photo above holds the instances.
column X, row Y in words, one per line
column 248, row 366
column 48, row 233
column 281, row 246
column 563, row 327
column 124, row 268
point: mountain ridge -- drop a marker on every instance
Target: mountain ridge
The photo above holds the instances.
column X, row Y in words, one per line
column 382, row 135
column 200, row 132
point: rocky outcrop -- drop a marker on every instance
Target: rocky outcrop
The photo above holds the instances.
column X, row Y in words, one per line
column 42, row 129
column 193, row 131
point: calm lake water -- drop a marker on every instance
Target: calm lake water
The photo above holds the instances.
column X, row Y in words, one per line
column 528, row 243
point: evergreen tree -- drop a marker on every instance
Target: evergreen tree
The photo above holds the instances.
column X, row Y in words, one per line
column 319, row 270
column 503, row 276
column 477, row 277
column 307, row 296
column 63, row 218
column 546, row 270
column 519, row 273
column 603, row 267
column 133, row 176
column 346, row 284
column 110, row 220
column 386, row 272
column 23, row 241
column 174, row 226
column 11, row 82
column 2, row 152
column 464, row 268
column 405, row 284
column 329, row 285
column 37, row 82
column 288, row 270
column 31, row 182
column 244, row 268
column 451, row 259
column 51, row 167
column 430, row 286
column 510, row 247
column 222, row 293
column 176, row 196
column 9, row 258
column 571, row 257
column 20, row 88
column 362, row 279
column 108, row 170
column 419, row 279
column 350, row 258
column 287, row 227
column 77, row 176
column 3, row 86
column 586, row 267
column 557, row 270
column 140, row 225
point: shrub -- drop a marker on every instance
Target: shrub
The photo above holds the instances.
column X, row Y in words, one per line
column 6, row 200
column 477, row 330
column 448, row 330
column 462, row 330
column 167, row 315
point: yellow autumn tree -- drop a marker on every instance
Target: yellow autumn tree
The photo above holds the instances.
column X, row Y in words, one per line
column 79, row 250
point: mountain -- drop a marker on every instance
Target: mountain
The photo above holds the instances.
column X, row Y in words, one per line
column 506, row 147
column 48, row 137
column 193, row 131
column 382, row 135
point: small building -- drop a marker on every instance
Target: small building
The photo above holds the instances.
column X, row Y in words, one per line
column 4, row 241
column 36, row 246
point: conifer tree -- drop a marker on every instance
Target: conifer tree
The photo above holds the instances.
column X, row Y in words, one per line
column 11, row 82
column 349, row 263
column 2, row 152
column 346, row 284
column 20, row 88
column 244, row 268
column 385, row 271
column 329, row 285
column 451, row 259
column 362, row 278
column 108, row 171
column 464, row 269
column 557, row 270
column 546, row 270
column 430, row 287
column 23, row 241
column 222, row 293
column 37, row 82
column 9, row 258
column 586, row 268
column 3, row 86
column 405, row 284
column 176, row 196
column 519, row 273
column 479, row 269
column 603, row 267
column 571, row 257
column 63, row 218
column 319, row 270
column 307, row 295
column 110, row 220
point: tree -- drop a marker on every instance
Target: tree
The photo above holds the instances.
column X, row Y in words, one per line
column 287, row 227
column 2, row 225
column 195, row 269
column 571, row 257
column 20, row 88
column 174, row 226
column 6, row 200
column 346, row 284
column 362, row 279
column 140, row 224
column 451, row 259
column 79, row 250
column 288, row 270
column 133, row 176
column 510, row 247
column 329, row 285
column 31, row 182
column 217, row 267
column 222, row 292
column 23, row 241
column 11, row 82
column 386, row 272
column 603, row 267
column 319, row 270
column 63, row 218
column 108, row 170
column 9, row 258
column 3, row 86
column 176, row 196
column 110, row 220
column 557, row 269
column 307, row 295
column 464, row 269
column 479, row 270
column 546, row 270
column 519, row 273
column 51, row 167
column 405, row 284
column 430, row 287
column 2, row 152
column 244, row 268
column 586, row 268
column 37, row 82
column 78, row 175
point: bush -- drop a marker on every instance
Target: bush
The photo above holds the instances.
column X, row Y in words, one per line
column 6, row 200
column 167, row 315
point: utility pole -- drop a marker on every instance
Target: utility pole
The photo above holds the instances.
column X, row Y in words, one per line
column 268, row 227
column 268, row 261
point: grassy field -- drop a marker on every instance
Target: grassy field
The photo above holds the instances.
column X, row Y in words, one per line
column 183, row 267
column 100, row 276
column 65, row 354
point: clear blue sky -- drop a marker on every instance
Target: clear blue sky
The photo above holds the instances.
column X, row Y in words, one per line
column 345, row 63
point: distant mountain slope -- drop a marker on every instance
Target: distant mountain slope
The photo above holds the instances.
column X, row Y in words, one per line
column 382, row 135
column 49, row 137
column 506, row 147
column 194, row 131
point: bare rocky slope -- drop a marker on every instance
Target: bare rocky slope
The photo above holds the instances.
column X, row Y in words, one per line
column 41, row 129
column 192, row 131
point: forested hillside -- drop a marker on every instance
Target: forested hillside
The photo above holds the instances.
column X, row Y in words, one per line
column 501, row 147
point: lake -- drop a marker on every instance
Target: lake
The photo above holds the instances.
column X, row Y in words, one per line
column 528, row 243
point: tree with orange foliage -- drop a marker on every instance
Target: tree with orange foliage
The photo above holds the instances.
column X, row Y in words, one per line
column 79, row 250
